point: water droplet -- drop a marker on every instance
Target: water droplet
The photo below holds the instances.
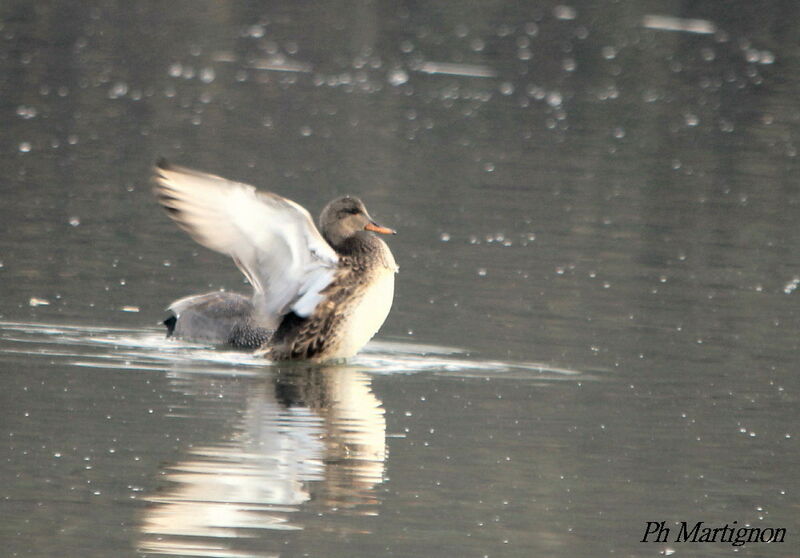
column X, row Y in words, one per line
column 26, row 112
column 398, row 77
column 504, row 30
column 255, row 31
column 766, row 57
column 25, row 147
column 119, row 89
column 444, row 237
column 207, row 75
column 482, row 272
column 74, row 221
column 488, row 167
column 609, row 52
column 506, row 88
column 271, row 47
column 554, row 99
column 564, row 12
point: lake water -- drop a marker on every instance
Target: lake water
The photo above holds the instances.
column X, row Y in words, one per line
column 596, row 317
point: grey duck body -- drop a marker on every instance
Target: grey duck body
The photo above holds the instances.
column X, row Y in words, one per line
column 219, row 318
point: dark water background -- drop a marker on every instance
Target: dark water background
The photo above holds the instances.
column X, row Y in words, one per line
column 595, row 322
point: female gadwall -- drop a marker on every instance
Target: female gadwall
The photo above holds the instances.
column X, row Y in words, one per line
column 316, row 296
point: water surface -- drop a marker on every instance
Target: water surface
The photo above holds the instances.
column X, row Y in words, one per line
column 595, row 322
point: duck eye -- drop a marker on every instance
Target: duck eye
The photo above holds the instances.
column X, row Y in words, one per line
column 353, row 211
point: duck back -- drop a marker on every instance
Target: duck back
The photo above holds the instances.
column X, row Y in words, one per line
column 219, row 318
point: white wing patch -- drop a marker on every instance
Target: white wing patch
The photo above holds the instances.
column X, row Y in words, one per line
column 305, row 305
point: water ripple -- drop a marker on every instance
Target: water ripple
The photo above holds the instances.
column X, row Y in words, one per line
column 148, row 350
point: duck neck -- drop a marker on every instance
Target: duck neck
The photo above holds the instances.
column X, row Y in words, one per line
column 360, row 243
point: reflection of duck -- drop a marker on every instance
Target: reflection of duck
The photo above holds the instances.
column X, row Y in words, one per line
column 316, row 297
column 308, row 437
column 355, row 438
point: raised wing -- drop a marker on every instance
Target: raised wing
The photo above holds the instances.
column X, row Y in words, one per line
column 272, row 240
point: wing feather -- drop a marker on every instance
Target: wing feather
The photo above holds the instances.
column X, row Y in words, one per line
column 272, row 240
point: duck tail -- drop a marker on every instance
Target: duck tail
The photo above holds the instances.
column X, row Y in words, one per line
column 170, row 323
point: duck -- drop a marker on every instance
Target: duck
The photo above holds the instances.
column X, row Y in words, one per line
column 318, row 294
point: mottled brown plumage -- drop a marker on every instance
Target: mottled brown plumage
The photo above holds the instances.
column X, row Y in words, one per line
column 308, row 338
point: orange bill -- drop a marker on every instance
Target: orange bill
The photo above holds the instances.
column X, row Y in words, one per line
column 375, row 227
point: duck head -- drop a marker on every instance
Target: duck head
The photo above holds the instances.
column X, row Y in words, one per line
column 344, row 217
